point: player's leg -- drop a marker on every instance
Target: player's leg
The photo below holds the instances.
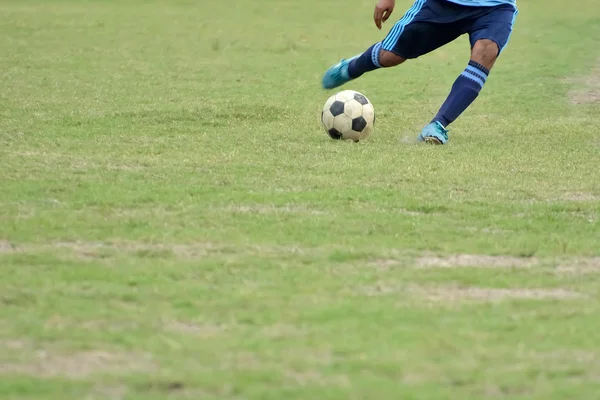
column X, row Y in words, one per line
column 489, row 33
column 374, row 58
column 421, row 30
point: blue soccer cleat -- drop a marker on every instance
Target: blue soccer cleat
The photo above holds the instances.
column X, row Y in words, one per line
column 434, row 133
column 337, row 75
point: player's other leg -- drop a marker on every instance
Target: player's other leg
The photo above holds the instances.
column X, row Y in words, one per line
column 489, row 33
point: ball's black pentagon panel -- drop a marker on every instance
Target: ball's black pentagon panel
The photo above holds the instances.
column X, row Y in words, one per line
column 337, row 108
column 334, row 134
column 358, row 124
column 361, row 99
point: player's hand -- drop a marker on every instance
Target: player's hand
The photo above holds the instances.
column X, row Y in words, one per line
column 383, row 10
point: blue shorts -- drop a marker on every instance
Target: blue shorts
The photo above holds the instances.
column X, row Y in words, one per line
column 430, row 24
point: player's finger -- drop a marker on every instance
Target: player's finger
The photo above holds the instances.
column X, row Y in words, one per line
column 377, row 17
column 386, row 15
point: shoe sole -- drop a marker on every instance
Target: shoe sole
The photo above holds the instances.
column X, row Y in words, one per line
column 432, row 140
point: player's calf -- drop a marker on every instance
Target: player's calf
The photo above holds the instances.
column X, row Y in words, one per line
column 389, row 59
column 485, row 52
column 374, row 58
column 464, row 91
column 468, row 85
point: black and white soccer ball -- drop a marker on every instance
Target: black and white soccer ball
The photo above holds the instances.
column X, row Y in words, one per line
column 348, row 115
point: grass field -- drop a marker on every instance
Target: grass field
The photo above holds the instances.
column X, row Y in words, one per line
column 174, row 223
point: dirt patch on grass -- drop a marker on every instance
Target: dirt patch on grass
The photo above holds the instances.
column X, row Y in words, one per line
column 282, row 330
column 85, row 250
column 563, row 265
column 384, row 264
column 581, row 197
column 189, row 328
column 7, row 247
column 278, row 250
column 244, row 361
column 456, row 261
column 102, row 250
column 585, row 96
column 494, row 294
column 457, row 293
column 185, row 251
column 564, row 356
column 588, row 87
column 315, row 378
column 116, row 392
column 80, row 365
column 192, row 251
column 125, row 167
column 12, row 344
column 474, row 260
column 580, row 266
column 273, row 209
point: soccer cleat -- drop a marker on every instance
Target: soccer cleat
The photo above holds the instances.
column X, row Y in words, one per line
column 434, row 133
column 337, row 75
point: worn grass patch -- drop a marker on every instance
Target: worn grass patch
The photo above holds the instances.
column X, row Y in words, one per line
column 460, row 293
column 46, row 364
column 580, row 266
column 587, row 91
column 474, row 260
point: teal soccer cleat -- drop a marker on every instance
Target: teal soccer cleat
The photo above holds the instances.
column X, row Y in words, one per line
column 337, row 75
column 434, row 133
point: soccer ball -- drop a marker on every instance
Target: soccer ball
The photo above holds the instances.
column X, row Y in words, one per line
column 348, row 115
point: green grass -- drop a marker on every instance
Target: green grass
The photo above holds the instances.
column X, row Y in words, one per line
column 174, row 223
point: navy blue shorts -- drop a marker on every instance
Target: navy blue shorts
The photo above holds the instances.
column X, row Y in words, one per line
column 430, row 24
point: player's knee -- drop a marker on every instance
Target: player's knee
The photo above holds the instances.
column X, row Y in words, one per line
column 485, row 52
column 389, row 59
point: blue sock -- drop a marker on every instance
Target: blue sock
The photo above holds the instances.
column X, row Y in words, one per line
column 464, row 91
column 368, row 61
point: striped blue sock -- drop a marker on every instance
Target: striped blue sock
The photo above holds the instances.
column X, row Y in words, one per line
column 368, row 61
column 464, row 91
